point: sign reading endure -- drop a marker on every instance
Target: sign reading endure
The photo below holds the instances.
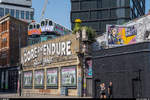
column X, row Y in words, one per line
column 54, row 50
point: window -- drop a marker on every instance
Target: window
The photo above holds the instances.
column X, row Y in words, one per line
column 22, row 14
column 4, row 42
column 105, row 14
column 42, row 23
column 50, row 23
column 4, row 26
column 12, row 12
column 120, row 12
column 75, row 16
column 6, row 11
column 17, row 14
column 31, row 16
column 27, row 15
column 85, row 15
column 75, row 6
column 113, row 13
column 1, row 12
column 93, row 15
column 105, row 4
column 30, row 26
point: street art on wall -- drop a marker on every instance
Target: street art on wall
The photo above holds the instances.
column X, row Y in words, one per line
column 68, row 76
column 27, row 80
column 121, row 35
column 52, row 77
column 39, row 78
column 89, row 68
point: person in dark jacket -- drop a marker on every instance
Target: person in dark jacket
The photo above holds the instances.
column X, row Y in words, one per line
column 110, row 90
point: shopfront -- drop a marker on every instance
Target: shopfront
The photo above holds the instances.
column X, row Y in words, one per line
column 52, row 67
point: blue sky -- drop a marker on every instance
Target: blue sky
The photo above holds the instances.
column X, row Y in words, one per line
column 59, row 11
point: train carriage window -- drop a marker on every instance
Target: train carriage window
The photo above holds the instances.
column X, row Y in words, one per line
column 30, row 27
column 38, row 26
column 46, row 22
column 34, row 26
column 42, row 23
column 50, row 23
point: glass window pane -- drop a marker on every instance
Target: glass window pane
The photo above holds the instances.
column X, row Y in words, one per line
column 75, row 16
column 93, row 15
column 22, row 14
column 12, row 12
column 84, row 15
column 6, row 11
column 1, row 12
column 31, row 16
column 17, row 14
column 27, row 15
column 75, row 6
column 85, row 5
column 105, row 4
column 105, row 14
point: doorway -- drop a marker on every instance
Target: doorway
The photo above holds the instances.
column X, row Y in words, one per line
column 97, row 88
column 136, row 88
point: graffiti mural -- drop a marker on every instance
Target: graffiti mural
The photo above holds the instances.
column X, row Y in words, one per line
column 89, row 68
column 120, row 35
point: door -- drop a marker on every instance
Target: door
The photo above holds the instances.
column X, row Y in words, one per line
column 89, row 87
column 97, row 88
column 136, row 88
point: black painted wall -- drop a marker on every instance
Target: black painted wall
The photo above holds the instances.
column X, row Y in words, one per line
column 122, row 66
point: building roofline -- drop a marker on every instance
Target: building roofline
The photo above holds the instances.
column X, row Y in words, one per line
column 9, row 16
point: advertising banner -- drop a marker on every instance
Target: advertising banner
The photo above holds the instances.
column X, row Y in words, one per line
column 68, row 76
column 121, row 35
column 39, row 78
column 89, row 68
column 52, row 77
column 27, row 80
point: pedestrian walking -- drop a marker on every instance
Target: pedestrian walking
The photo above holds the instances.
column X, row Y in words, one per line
column 102, row 91
column 110, row 90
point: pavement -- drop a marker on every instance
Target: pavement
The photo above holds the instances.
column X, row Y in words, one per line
column 16, row 95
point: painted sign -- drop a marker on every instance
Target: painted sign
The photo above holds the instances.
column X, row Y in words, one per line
column 27, row 78
column 59, row 49
column 39, row 78
column 121, row 35
column 68, row 76
column 52, row 77
column 89, row 68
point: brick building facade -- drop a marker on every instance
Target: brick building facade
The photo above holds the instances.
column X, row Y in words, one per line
column 13, row 35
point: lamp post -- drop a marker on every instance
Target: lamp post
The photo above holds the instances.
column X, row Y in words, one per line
column 20, row 82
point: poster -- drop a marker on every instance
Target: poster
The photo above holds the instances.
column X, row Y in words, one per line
column 52, row 77
column 121, row 35
column 39, row 78
column 27, row 78
column 89, row 68
column 68, row 76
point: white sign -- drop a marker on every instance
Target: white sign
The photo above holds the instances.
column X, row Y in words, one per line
column 50, row 49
